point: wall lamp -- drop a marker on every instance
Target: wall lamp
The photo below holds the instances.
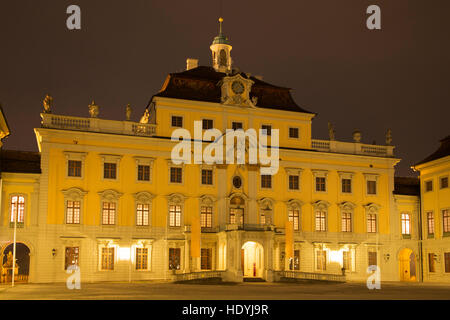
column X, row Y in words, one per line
column 53, row 252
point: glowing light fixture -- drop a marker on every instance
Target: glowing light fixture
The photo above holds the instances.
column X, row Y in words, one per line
column 124, row 253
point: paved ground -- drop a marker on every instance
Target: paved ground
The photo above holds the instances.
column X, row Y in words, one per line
column 242, row 291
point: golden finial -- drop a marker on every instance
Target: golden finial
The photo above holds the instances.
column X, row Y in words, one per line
column 220, row 25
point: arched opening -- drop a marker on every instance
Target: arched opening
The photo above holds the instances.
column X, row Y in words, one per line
column 252, row 259
column 22, row 268
column 407, row 265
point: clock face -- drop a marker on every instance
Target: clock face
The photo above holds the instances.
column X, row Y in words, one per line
column 237, row 87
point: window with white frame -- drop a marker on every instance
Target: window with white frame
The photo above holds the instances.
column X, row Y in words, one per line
column 177, row 121
column 75, row 164
column 320, row 180
column 371, row 184
column 143, row 208
column 294, row 216
column 17, row 211
column 406, row 223
column 372, row 217
column 446, row 220
column 206, row 217
column 321, row 259
column 207, row 175
column 176, row 203
column 109, row 200
column 430, row 223
column 293, row 175
column 110, row 166
column 141, row 258
column 320, row 215
column 144, row 169
column 346, row 182
column 347, row 209
column 175, row 173
column 73, row 200
column 107, row 258
column 266, row 181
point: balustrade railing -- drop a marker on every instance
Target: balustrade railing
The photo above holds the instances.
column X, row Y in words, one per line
column 198, row 275
column 311, row 276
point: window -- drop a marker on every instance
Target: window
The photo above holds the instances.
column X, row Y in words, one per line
column 346, row 222
column 320, row 184
column 236, row 125
column 207, row 176
column 293, row 133
column 143, row 173
column 447, row 262
column 174, row 258
column 177, row 121
column 444, row 182
column 294, row 182
column 72, row 256
column 109, row 170
column 235, row 213
column 142, row 214
column 372, row 258
column 347, row 260
column 17, row 210
column 176, row 175
column 446, row 220
column 321, row 218
column 371, row 187
column 108, row 213
column 206, row 217
column 206, row 259
column 207, row 124
column 174, row 216
column 346, row 185
column 406, row 224
column 430, row 223
column 296, row 260
column 431, row 263
column 266, row 181
column 73, row 212
column 74, row 168
column 429, row 185
column 371, row 223
column 321, row 260
column 266, row 129
column 294, row 216
column 141, row 258
column 107, row 258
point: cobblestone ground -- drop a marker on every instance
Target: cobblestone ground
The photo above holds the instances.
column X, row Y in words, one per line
column 242, row 291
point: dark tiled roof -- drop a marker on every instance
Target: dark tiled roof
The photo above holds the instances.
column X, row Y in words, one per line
column 408, row 186
column 443, row 151
column 20, row 161
column 201, row 84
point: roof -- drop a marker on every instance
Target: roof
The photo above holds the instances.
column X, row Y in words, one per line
column 441, row 152
column 201, row 84
column 20, row 161
column 409, row 186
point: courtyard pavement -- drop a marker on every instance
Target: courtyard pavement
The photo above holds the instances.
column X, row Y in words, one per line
column 241, row 291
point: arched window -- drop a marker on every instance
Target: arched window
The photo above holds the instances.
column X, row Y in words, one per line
column 293, row 207
column 347, row 209
column 109, row 205
column 372, row 217
column 143, row 208
column 176, row 204
column 73, row 202
column 223, row 58
column 321, row 212
column 206, row 211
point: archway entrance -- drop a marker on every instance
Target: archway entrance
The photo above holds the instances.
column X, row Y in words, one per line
column 407, row 265
column 252, row 261
column 22, row 268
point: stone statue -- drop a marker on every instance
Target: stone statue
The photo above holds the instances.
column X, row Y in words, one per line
column 93, row 110
column 47, row 103
column 254, row 100
column 331, row 131
column 145, row 117
column 9, row 260
column 389, row 137
column 128, row 112
column 357, row 136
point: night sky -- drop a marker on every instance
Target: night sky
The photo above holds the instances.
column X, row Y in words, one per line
column 397, row 77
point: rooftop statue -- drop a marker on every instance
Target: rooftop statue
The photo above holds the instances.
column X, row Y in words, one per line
column 331, row 131
column 389, row 137
column 47, row 103
column 93, row 110
column 128, row 112
column 145, row 117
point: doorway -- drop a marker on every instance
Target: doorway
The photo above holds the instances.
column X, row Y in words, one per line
column 252, row 262
column 407, row 265
column 22, row 268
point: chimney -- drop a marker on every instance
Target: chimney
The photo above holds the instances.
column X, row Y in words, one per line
column 191, row 63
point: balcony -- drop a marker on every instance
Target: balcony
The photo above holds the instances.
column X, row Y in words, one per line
column 352, row 148
column 129, row 128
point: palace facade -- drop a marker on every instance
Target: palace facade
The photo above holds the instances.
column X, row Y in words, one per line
column 106, row 196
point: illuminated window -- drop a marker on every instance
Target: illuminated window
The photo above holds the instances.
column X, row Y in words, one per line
column 108, row 213
column 446, row 220
column 372, row 258
column 207, row 176
column 406, row 223
column 431, row 263
column 107, row 258
column 73, row 212
column 321, row 219
column 206, row 259
column 141, row 258
column 17, row 210
column 72, row 257
column 430, row 223
column 321, row 260
column 176, row 175
column 74, row 168
column 266, row 181
column 321, row 184
column 294, row 215
column 109, row 170
column 235, row 213
column 206, row 217
column 346, row 222
column 174, row 216
column 294, row 182
column 347, row 260
column 143, row 173
column 296, row 259
column 371, row 223
column 142, row 214
column 174, row 258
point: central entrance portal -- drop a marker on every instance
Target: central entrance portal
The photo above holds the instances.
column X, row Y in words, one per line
column 252, row 261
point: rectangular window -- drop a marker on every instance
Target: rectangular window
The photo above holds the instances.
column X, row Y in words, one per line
column 346, row 185
column 321, row 219
column 293, row 133
column 296, row 259
column 207, row 124
column 371, row 223
column 266, row 181
column 446, row 220
column 207, row 176
column 346, row 222
column 206, row 217
column 372, row 258
column 371, row 187
column 108, row 258
column 294, row 216
column 206, row 259
column 294, row 182
column 236, row 212
column 321, row 260
column 109, row 213
column 141, row 258
column 447, row 262
column 176, row 175
column 73, row 212
column 109, row 171
column 143, row 173
column 429, row 185
column 177, row 121
column 347, row 260
column 430, row 222
column 321, row 184
column 174, row 216
column 406, row 223
column 17, row 209
column 174, row 258
column 72, row 257
column 444, row 182
column 431, row 263
column 142, row 214
column 74, row 168
column 266, row 129
column 236, row 125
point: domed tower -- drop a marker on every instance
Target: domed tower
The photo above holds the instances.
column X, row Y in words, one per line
column 221, row 51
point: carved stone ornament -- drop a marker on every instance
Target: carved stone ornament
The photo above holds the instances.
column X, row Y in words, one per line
column 236, row 91
column 93, row 110
column 47, row 103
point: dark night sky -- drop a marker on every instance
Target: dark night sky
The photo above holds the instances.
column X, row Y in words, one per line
column 356, row 78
